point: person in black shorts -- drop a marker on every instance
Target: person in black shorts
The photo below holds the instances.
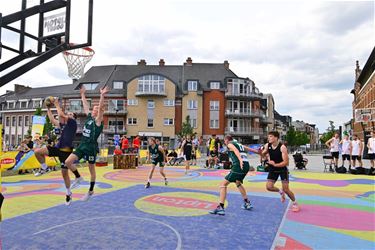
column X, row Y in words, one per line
column 68, row 127
column 278, row 162
column 187, row 148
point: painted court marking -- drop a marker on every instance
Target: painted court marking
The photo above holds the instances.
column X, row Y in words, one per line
column 276, row 241
column 179, row 241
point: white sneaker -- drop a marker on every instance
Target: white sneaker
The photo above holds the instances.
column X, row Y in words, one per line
column 42, row 171
column 68, row 199
column 76, row 182
column 87, row 196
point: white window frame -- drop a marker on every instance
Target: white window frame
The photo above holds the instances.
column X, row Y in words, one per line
column 192, row 85
column 15, row 121
column 215, row 105
column 37, row 101
column 169, row 103
column 113, row 108
column 133, row 121
column 152, row 123
column 214, row 124
column 132, row 102
column 215, row 85
column 148, row 104
column 192, row 104
column 194, row 123
column 115, row 86
column 13, row 103
column 91, row 84
column 168, row 121
column 151, row 84
column 28, row 121
column 23, row 101
column 18, row 121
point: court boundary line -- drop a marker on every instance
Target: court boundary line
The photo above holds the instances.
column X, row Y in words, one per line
column 277, row 235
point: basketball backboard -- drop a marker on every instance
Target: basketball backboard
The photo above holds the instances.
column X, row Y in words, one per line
column 364, row 115
column 39, row 30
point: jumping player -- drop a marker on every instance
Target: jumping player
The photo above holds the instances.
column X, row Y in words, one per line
column 333, row 145
column 68, row 127
column 278, row 166
column 88, row 148
column 156, row 155
column 187, row 148
column 240, row 167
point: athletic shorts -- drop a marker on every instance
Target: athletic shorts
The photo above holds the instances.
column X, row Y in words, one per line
column 62, row 155
column 335, row 154
column 187, row 157
column 161, row 163
column 346, row 157
column 275, row 172
column 371, row 156
column 87, row 152
column 238, row 174
column 356, row 157
column 193, row 157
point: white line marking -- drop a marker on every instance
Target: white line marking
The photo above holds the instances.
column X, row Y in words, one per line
column 275, row 240
column 179, row 241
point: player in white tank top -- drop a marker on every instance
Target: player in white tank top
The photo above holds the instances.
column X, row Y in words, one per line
column 333, row 145
column 357, row 148
column 346, row 149
column 371, row 150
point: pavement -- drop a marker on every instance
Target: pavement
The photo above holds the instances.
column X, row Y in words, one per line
column 337, row 211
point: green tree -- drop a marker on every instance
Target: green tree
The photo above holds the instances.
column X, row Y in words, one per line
column 330, row 131
column 186, row 129
column 296, row 138
column 291, row 136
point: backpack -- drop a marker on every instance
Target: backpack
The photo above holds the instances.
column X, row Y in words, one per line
column 358, row 170
column 341, row 170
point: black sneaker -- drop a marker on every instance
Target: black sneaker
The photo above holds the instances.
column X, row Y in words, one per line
column 165, row 182
column 68, row 199
column 147, row 185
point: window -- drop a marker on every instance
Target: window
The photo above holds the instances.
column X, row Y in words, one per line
column 215, row 85
column 75, row 106
column 132, row 121
column 23, row 104
column 89, row 86
column 27, row 120
column 168, row 121
column 151, row 83
column 193, row 123
column 13, row 121
column 150, row 123
column 115, row 104
column 10, row 105
column 112, row 125
column 20, row 121
column 118, row 84
column 132, row 102
column 169, row 103
column 36, row 104
column 214, row 105
column 214, row 123
column 192, row 104
column 150, row 104
column 192, row 85
column 7, row 121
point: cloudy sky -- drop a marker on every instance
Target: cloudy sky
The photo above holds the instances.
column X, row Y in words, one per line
column 302, row 52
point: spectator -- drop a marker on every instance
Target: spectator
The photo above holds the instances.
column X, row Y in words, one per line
column 124, row 144
column 136, row 144
column 23, row 149
column 117, row 151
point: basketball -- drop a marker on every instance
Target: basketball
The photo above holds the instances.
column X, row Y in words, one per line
column 49, row 101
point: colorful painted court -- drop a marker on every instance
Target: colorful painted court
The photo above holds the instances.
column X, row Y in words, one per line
column 337, row 213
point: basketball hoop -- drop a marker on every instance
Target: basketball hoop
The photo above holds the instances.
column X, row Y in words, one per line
column 76, row 59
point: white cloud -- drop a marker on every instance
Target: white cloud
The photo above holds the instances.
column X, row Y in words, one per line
column 303, row 53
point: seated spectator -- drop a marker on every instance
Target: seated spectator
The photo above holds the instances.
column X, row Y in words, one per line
column 117, row 151
column 213, row 158
column 23, row 149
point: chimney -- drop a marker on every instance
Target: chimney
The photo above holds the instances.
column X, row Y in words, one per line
column 226, row 64
column 189, row 61
column 142, row 62
column 357, row 70
column 19, row 88
column 161, row 62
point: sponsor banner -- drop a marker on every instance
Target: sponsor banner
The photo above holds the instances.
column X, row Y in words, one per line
column 38, row 125
column 16, row 160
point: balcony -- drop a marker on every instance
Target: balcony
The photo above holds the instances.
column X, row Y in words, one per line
column 75, row 109
column 243, row 95
column 112, row 129
column 150, row 93
column 243, row 131
column 242, row 113
column 266, row 120
column 112, row 111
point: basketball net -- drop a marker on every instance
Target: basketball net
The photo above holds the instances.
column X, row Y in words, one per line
column 76, row 60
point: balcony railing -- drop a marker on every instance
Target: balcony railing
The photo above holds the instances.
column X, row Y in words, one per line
column 243, row 131
column 250, row 95
column 112, row 111
column 266, row 119
column 242, row 113
column 75, row 109
column 112, row 129
column 150, row 93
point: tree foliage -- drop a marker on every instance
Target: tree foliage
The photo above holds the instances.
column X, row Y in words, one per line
column 296, row 138
column 330, row 132
column 186, row 129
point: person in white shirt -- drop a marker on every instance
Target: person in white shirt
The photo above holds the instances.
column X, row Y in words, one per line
column 371, row 150
column 346, row 149
column 357, row 149
column 333, row 145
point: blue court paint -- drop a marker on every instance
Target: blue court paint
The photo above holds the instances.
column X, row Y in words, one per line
column 320, row 238
column 111, row 221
